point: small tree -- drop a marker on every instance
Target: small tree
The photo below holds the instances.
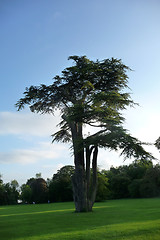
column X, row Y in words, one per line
column 93, row 94
column 39, row 190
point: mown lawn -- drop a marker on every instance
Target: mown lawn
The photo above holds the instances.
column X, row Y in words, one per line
column 115, row 219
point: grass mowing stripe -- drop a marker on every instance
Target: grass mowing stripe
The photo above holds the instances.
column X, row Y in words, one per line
column 33, row 213
column 116, row 231
column 52, row 211
column 127, row 219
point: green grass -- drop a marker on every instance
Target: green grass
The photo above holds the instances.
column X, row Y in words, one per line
column 117, row 219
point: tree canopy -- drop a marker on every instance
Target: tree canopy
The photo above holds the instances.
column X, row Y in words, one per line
column 157, row 143
column 89, row 93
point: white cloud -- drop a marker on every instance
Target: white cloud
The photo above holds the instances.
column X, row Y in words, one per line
column 144, row 123
column 45, row 158
column 25, row 156
column 107, row 158
column 53, row 166
column 17, row 123
column 48, row 158
column 44, row 151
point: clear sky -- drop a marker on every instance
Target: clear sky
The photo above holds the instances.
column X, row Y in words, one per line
column 36, row 38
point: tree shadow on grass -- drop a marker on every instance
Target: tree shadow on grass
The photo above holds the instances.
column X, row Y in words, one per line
column 63, row 222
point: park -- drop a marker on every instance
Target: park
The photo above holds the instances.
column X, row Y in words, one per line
column 79, row 120
column 88, row 93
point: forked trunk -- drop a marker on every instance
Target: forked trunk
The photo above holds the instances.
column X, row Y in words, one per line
column 85, row 184
column 84, row 187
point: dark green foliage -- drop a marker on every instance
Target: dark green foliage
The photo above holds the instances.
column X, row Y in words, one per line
column 26, row 193
column 148, row 189
column 137, row 169
column 103, row 192
column 36, row 190
column 134, row 188
column 119, row 186
column 60, row 187
column 150, row 186
column 2, row 195
column 9, row 193
column 139, row 179
column 89, row 93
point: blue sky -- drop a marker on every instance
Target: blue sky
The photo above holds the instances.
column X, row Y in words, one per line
column 37, row 36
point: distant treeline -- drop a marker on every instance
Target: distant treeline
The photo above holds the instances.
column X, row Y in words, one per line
column 141, row 179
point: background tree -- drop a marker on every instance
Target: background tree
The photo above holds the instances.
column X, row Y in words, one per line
column 103, row 192
column 60, row 187
column 39, row 190
column 26, row 193
column 150, row 185
column 138, row 168
column 2, row 191
column 118, row 183
column 93, row 94
column 11, row 194
column 14, row 184
column 136, row 172
column 127, row 181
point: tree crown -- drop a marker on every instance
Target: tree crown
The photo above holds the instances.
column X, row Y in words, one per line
column 89, row 93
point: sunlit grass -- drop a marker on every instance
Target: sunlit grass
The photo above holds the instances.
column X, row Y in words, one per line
column 118, row 219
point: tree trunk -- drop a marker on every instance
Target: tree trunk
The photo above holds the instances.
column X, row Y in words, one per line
column 80, row 190
column 84, row 188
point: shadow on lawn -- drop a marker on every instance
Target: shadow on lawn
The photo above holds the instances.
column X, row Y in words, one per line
column 59, row 222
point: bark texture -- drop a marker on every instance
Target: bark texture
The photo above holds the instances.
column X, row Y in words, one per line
column 85, row 179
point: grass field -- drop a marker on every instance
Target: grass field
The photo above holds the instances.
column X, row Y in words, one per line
column 115, row 219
